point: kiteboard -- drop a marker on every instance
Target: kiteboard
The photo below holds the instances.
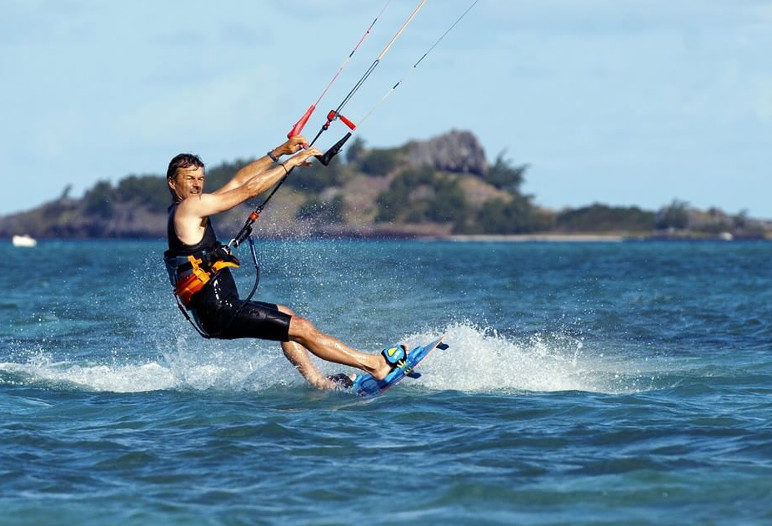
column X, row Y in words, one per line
column 404, row 365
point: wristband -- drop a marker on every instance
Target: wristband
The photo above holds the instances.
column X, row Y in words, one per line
column 272, row 156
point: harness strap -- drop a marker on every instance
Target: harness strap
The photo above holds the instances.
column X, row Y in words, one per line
column 192, row 264
column 184, row 312
column 190, row 273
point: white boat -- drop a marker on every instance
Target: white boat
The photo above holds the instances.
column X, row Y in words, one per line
column 23, row 241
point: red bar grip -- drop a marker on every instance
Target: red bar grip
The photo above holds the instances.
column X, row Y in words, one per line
column 297, row 129
column 347, row 122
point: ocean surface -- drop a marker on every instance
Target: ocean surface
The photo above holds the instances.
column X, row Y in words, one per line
column 586, row 383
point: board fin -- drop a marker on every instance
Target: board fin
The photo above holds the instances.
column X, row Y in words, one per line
column 443, row 346
column 414, row 375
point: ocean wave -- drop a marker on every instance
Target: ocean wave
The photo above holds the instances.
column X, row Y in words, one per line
column 481, row 359
column 478, row 360
column 119, row 379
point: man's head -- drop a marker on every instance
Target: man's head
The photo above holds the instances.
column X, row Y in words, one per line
column 185, row 176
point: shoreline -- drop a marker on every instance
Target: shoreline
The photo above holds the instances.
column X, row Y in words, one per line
column 465, row 238
column 520, row 238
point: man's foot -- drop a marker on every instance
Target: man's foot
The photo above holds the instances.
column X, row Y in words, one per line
column 385, row 367
column 342, row 380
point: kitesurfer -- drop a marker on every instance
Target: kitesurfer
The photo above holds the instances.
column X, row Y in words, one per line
column 198, row 267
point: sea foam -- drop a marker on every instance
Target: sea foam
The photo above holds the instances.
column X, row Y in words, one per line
column 481, row 359
column 478, row 360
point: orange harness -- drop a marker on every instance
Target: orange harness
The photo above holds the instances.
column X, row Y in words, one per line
column 189, row 283
column 190, row 274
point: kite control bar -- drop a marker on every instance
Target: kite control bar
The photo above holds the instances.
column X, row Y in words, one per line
column 333, row 151
column 335, row 115
column 297, row 129
column 335, row 148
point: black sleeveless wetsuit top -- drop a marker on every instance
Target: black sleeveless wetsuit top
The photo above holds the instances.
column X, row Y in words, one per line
column 222, row 286
column 178, row 248
column 217, row 307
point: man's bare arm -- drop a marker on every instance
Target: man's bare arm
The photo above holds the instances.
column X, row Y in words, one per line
column 205, row 205
column 262, row 164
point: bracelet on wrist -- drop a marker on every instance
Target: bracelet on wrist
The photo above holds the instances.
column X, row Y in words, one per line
column 272, row 156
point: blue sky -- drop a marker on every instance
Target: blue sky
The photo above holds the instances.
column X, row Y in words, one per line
column 614, row 101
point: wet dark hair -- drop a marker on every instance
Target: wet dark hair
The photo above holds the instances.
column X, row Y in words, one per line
column 183, row 160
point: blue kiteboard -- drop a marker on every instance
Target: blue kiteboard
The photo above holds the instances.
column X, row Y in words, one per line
column 403, row 363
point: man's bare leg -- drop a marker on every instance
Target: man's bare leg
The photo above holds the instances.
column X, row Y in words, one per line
column 299, row 357
column 326, row 347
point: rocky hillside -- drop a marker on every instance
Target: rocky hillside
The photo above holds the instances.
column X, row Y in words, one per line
column 433, row 187
column 438, row 187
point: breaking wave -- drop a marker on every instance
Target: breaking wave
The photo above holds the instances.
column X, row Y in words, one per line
column 478, row 360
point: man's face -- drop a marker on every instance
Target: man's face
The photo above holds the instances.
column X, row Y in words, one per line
column 189, row 182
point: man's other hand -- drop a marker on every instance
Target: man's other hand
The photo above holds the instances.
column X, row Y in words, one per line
column 293, row 145
column 301, row 158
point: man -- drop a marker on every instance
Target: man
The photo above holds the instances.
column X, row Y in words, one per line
column 198, row 267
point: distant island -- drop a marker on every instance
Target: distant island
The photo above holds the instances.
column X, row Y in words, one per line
column 444, row 187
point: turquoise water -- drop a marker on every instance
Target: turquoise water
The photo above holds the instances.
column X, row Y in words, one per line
column 585, row 383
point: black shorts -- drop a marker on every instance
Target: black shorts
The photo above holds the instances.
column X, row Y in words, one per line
column 221, row 314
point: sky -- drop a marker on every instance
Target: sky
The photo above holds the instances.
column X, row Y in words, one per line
column 612, row 101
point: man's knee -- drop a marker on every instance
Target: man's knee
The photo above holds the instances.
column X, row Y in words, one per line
column 301, row 327
column 286, row 310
